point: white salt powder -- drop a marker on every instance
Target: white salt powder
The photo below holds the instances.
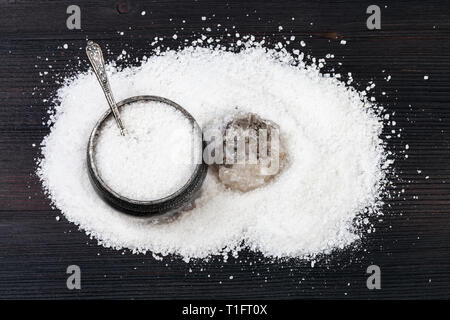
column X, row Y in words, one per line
column 331, row 134
column 154, row 158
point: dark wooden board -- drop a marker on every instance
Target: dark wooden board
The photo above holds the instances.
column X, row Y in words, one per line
column 411, row 244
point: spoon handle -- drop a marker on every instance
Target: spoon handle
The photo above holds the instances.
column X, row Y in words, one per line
column 95, row 55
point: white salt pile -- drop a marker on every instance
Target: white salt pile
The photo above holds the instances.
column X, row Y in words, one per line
column 331, row 135
column 154, row 159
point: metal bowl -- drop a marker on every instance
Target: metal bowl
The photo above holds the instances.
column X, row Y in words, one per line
column 170, row 204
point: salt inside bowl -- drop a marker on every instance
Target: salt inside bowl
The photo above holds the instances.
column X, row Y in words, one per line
column 156, row 156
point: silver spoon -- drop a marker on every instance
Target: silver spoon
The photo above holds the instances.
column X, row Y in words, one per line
column 95, row 55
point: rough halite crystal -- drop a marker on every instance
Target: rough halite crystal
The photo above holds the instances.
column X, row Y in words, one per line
column 253, row 152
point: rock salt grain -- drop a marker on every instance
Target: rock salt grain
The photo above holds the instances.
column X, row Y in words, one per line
column 332, row 138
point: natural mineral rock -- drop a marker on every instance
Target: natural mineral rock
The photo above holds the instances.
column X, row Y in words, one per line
column 253, row 152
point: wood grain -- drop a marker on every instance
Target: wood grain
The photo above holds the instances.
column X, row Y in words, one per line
column 412, row 242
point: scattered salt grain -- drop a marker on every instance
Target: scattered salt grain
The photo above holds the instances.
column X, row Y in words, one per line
column 336, row 158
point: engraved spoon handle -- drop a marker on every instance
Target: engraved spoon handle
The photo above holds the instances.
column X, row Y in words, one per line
column 95, row 55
